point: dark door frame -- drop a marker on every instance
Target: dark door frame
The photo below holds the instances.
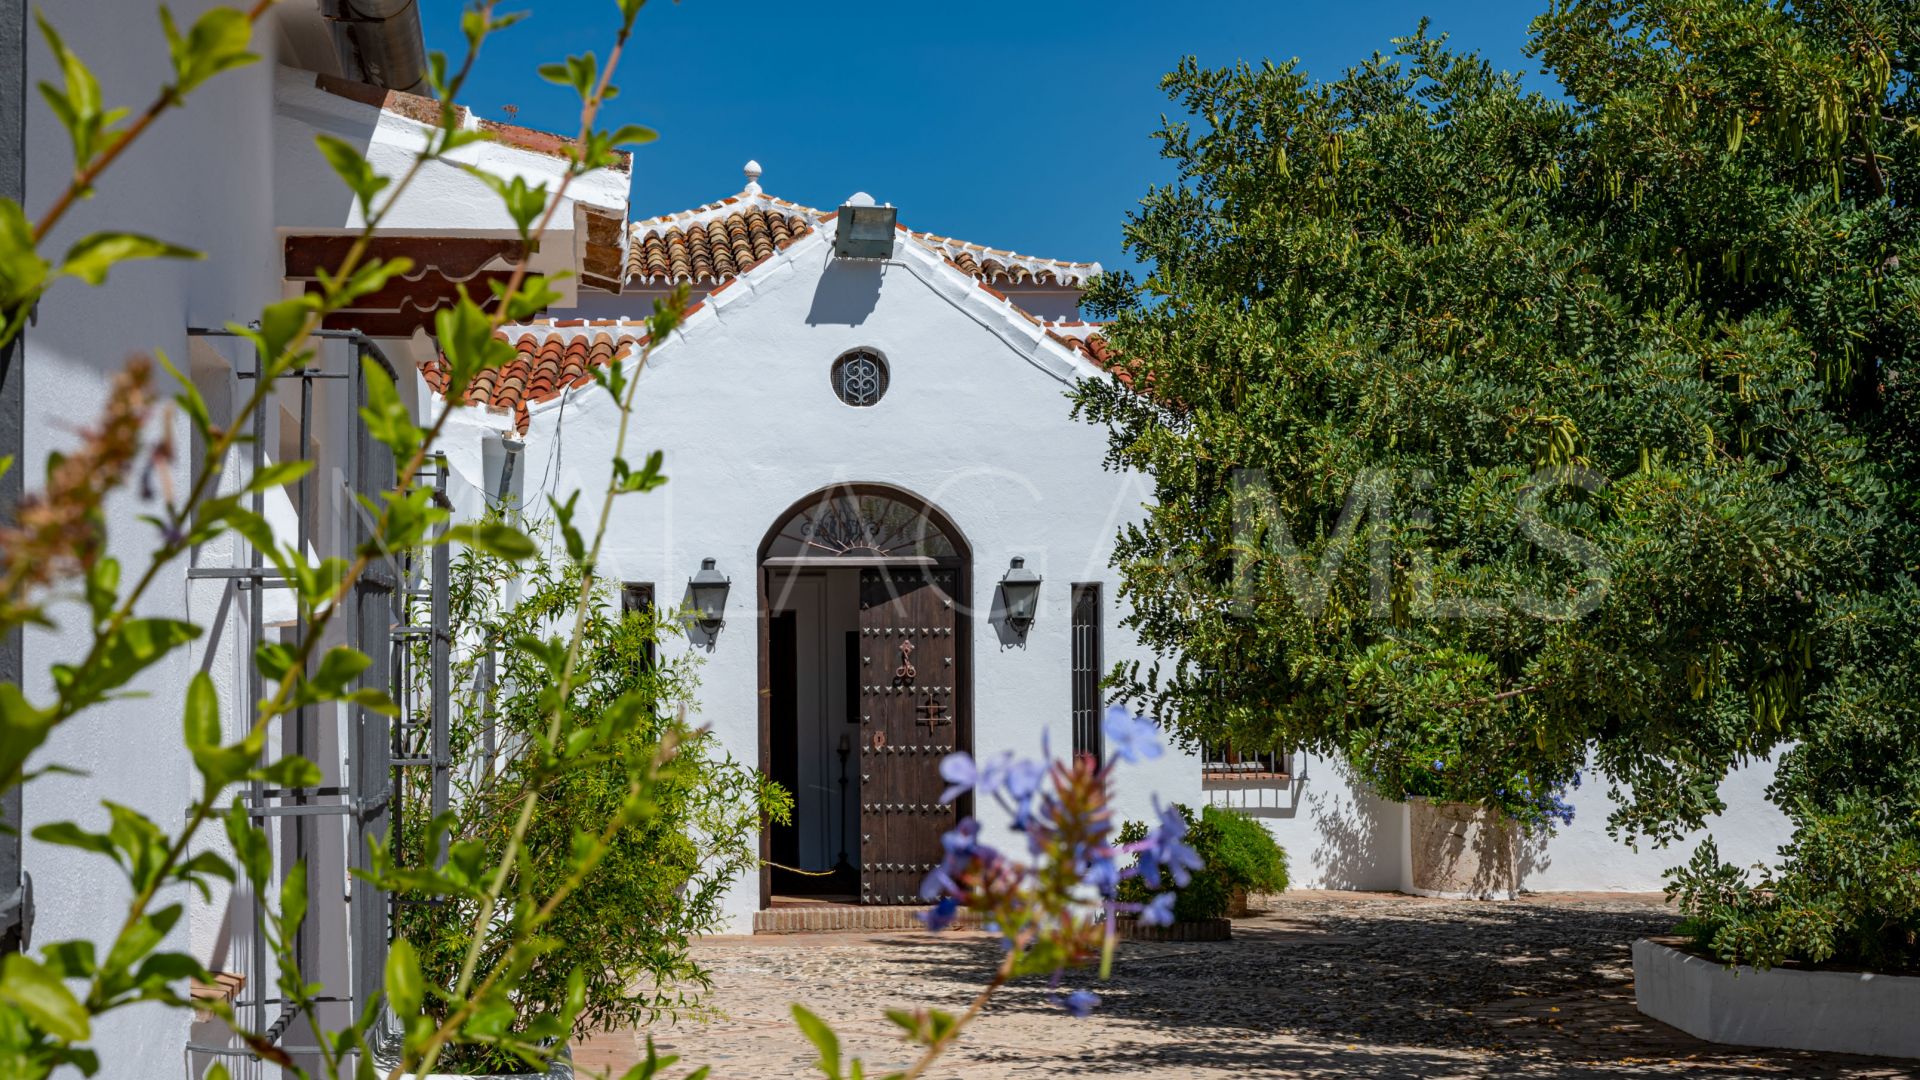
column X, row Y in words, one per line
column 962, row 564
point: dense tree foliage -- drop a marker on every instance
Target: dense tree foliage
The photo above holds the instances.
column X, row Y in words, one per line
column 1529, row 424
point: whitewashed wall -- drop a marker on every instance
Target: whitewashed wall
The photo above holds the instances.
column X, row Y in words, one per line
column 198, row 179
column 975, row 421
column 1339, row 835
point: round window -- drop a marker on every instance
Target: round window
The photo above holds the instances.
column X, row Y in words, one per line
column 860, row 377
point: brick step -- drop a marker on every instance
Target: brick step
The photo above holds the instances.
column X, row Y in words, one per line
column 844, row 918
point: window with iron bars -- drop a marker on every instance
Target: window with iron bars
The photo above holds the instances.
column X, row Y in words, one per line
column 637, row 597
column 1086, row 672
column 1220, row 761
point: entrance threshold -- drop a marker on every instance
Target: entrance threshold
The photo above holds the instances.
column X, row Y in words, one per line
column 832, row 915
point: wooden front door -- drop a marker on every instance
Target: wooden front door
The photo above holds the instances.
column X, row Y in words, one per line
column 908, row 722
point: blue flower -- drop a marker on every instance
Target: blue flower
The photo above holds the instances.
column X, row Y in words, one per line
column 1159, row 910
column 1103, row 873
column 963, row 774
column 1134, row 738
column 941, row 915
column 962, row 847
column 1023, row 779
column 1438, row 765
column 1166, row 848
column 1080, row 1002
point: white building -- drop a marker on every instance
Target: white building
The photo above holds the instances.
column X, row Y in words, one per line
column 891, row 430
column 830, row 423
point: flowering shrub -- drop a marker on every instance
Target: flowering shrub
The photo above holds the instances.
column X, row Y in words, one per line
column 1237, row 852
column 1055, row 909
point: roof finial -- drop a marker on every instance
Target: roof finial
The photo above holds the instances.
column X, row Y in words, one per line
column 753, row 177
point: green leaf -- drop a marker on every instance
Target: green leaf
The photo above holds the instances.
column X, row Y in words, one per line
column 202, row 715
column 386, row 415
column 22, row 729
column 219, row 765
column 217, row 42
column 535, row 295
column 278, row 474
column 292, row 771
column 293, row 901
column 524, row 203
column 495, row 538
column 103, row 588
column 91, row 258
column 250, row 845
column 77, row 105
column 338, row 667
column 353, row 169
column 69, row 834
column 23, row 273
column 280, row 324
column 141, row 937
column 45, row 1000
column 466, row 337
column 135, row 646
column 633, row 135
column 822, row 1037
column 406, row 989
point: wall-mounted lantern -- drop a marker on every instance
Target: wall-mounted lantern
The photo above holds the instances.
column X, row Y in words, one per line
column 708, row 591
column 863, row 230
column 1021, row 588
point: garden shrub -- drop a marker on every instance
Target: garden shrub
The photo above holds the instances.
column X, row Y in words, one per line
column 1245, row 851
column 1847, row 887
column 628, row 926
column 1237, row 851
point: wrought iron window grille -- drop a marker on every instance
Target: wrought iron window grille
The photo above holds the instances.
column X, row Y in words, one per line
column 860, row 378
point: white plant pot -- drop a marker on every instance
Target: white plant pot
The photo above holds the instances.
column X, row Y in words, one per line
column 1844, row 1012
column 1462, row 851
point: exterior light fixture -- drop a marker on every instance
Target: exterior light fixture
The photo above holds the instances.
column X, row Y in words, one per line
column 1021, row 588
column 708, row 590
column 863, row 230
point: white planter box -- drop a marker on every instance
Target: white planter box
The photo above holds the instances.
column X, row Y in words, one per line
column 1847, row 1012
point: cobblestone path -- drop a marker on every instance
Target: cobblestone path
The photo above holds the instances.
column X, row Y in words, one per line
column 1313, row 985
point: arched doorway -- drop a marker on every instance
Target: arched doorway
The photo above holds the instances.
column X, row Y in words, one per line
column 865, row 684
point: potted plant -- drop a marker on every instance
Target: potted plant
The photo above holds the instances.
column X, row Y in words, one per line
column 1238, row 856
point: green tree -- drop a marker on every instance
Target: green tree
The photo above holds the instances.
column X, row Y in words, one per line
column 1522, row 425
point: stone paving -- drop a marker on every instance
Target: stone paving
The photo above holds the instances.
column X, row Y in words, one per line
column 1312, row 985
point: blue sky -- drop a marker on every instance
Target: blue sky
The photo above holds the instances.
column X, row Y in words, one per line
column 1020, row 125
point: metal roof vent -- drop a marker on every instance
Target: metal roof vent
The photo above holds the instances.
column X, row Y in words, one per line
column 864, row 231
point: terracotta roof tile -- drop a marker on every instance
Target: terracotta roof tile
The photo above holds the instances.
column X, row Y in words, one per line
column 710, row 251
column 1085, row 339
column 546, row 365
column 712, row 244
column 1007, row 267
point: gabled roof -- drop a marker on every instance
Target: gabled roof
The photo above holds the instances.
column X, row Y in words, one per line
column 711, row 244
column 714, row 245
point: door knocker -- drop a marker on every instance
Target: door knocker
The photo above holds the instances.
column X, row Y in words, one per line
column 905, row 672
